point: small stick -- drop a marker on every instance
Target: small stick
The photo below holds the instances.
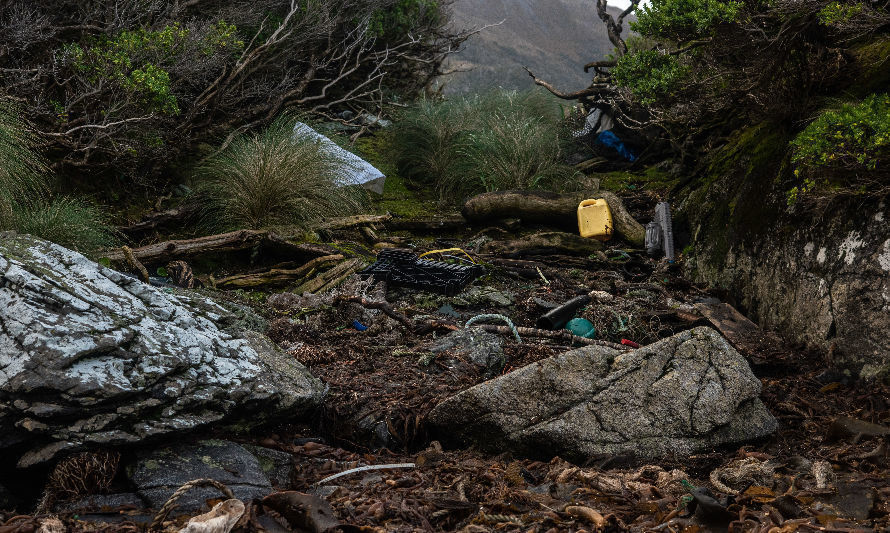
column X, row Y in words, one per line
column 561, row 335
column 135, row 264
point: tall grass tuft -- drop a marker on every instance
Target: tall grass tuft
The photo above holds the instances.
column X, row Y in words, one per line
column 22, row 167
column 25, row 201
column 499, row 140
column 271, row 179
column 71, row 222
column 426, row 139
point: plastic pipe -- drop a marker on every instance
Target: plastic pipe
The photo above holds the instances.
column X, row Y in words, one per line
column 560, row 316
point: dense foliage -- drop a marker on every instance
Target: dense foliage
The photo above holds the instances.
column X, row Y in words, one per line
column 844, row 147
column 681, row 20
column 854, row 135
column 125, row 88
column 701, row 69
column 650, row 75
column 500, row 140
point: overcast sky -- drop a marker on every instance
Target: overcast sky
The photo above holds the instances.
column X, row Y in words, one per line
column 622, row 4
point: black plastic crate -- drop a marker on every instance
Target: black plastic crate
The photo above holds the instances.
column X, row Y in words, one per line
column 402, row 268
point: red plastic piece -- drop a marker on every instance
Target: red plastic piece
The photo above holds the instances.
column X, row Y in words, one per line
column 630, row 343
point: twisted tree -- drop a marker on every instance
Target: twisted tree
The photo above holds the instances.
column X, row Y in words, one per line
column 127, row 86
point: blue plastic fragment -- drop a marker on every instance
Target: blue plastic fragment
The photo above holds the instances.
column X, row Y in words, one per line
column 358, row 325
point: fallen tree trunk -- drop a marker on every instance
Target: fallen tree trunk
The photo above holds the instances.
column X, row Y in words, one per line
column 353, row 221
column 559, row 210
column 160, row 219
column 275, row 277
column 166, row 251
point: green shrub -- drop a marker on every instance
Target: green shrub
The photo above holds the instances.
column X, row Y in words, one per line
column 649, row 74
column 139, row 61
column 399, row 18
column 854, row 136
column 67, row 221
column 682, row 20
column 499, row 140
column 836, row 12
column 271, row 179
column 846, row 148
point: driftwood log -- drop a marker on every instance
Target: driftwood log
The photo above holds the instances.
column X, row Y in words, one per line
column 353, row 221
column 544, row 243
column 448, row 223
column 276, row 277
column 554, row 209
column 163, row 252
column 332, row 278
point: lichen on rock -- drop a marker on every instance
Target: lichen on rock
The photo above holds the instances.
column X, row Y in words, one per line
column 90, row 356
column 682, row 394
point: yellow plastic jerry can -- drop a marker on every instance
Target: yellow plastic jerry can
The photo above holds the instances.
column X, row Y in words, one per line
column 595, row 219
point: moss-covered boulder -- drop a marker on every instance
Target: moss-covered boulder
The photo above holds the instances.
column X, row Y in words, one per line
column 820, row 274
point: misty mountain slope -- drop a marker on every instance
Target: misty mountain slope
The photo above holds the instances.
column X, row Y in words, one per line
column 554, row 38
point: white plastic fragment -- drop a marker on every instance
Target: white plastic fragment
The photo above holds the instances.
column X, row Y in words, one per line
column 365, row 469
column 354, row 169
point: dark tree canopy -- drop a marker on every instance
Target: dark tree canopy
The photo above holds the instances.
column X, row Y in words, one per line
column 128, row 86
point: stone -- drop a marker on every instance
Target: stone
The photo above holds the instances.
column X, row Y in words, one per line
column 821, row 277
column 848, row 427
column 93, row 357
column 484, row 296
column 277, row 465
column 478, row 346
column 158, row 473
column 852, row 499
column 683, row 394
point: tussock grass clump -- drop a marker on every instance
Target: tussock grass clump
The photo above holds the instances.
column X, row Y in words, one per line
column 499, row 140
column 26, row 204
column 71, row 222
column 22, row 168
column 272, row 179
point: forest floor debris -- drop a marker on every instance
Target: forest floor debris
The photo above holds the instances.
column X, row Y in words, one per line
column 825, row 469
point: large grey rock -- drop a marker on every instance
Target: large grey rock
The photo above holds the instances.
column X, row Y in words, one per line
column 682, row 394
column 89, row 356
column 158, row 473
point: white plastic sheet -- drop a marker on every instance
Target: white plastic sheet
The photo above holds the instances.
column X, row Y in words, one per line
column 354, row 171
